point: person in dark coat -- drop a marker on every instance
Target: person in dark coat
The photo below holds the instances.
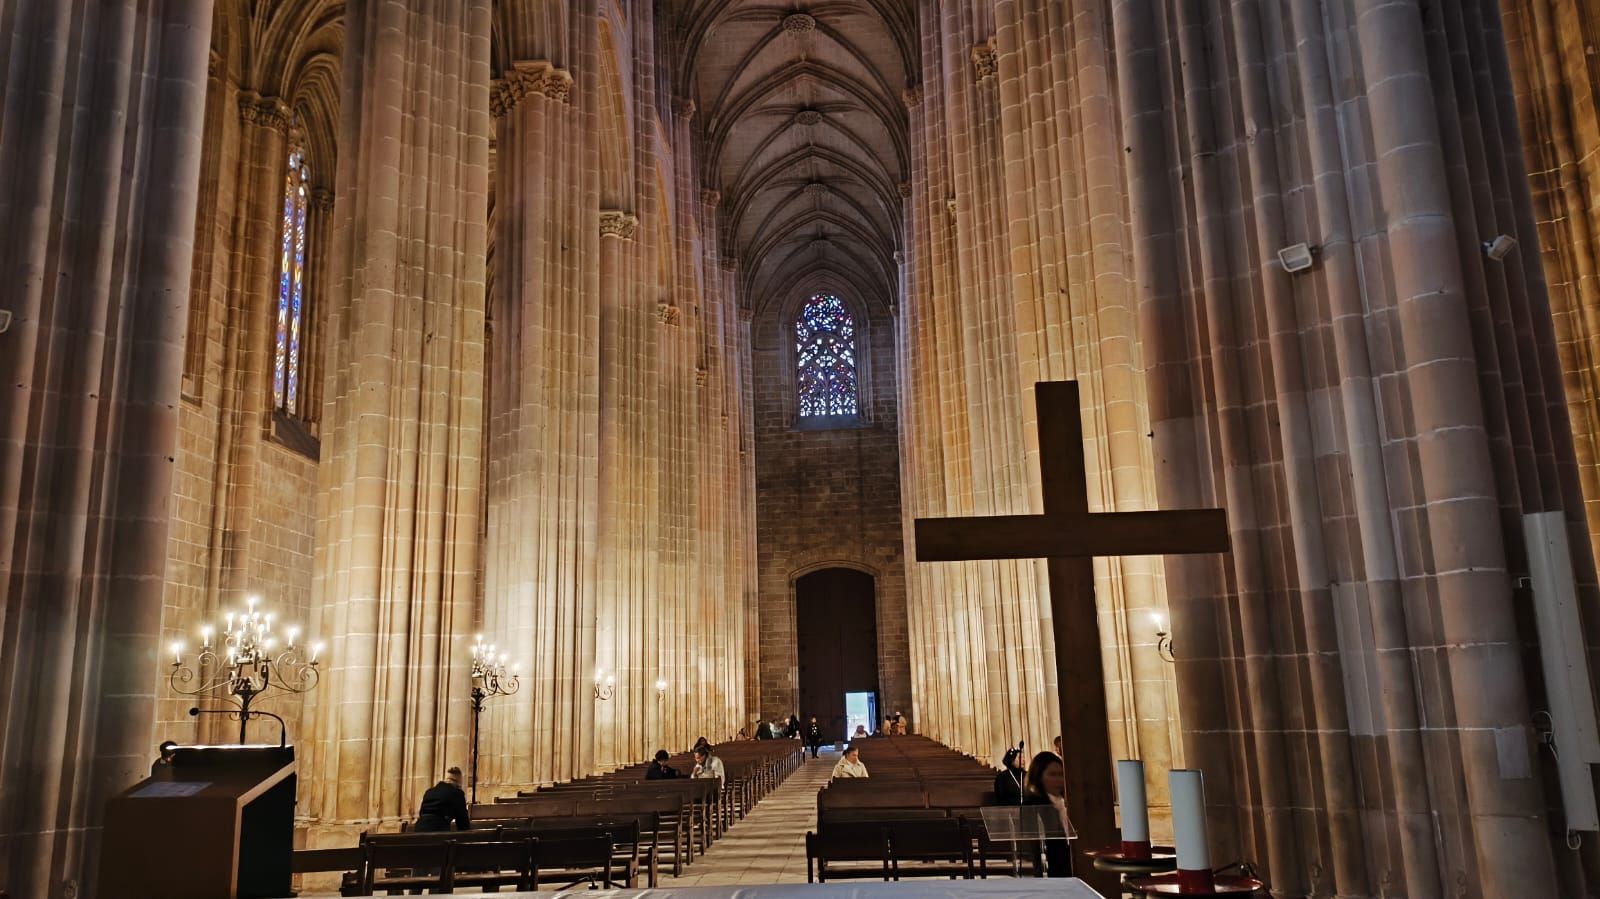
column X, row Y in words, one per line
column 794, row 728
column 1047, row 785
column 1009, row 781
column 659, row 769
column 444, row 803
column 814, row 736
column 764, row 732
column 165, row 760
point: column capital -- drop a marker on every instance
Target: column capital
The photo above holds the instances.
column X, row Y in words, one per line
column 710, row 197
column 321, row 199
column 905, row 188
column 528, row 78
column 668, row 313
column 984, row 63
column 683, row 107
column 616, row 223
column 264, row 112
column 911, row 96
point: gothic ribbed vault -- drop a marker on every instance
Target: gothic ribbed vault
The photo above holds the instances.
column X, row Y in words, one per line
column 805, row 136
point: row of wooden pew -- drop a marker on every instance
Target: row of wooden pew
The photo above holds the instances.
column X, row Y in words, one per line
column 604, row 830
column 918, row 814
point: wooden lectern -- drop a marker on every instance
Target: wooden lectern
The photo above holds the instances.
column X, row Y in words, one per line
column 218, row 822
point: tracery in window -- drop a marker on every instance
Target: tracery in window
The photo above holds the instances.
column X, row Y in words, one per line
column 825, row 357
column 289, row 346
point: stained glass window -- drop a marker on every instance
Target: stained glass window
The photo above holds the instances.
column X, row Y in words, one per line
column 288, row 349
column 825, row 355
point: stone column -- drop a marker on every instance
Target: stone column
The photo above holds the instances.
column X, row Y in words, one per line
column 540, row 587
column 250, row 328
column 396, row 566
column 99, row 181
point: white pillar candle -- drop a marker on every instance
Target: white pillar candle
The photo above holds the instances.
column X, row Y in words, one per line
column 1131, row 796
column 1189, row 819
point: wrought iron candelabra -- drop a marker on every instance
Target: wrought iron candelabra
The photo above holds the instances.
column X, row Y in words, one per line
column 1163, row 638
column 244, row 663
column 608, row 689
column 490, row 678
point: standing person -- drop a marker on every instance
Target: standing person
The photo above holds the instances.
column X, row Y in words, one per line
column 444, row 803
column 850, row 765
column 707, row 765
column 899, row 724
column 1047, row 785
column 794, row 727
column 659, row 769
column 1009, row 782
column 814, row 736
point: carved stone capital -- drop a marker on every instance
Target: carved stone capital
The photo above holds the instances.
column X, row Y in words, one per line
column 984, row 64
column 710, row 197
column 905, row 188
column 668, row 313
column 730, row 264
column 950, row 204
column 322, row 199
column 525, row 79
column 799, row 23
column 683, row 107
column 264, row 112
column 747, row 314
column 213, row 64
column 616, row 223
column 899, row 258
column 911, row 96
column 701, row 376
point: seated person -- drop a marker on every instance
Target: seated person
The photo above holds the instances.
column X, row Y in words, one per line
column 707, row 765
column 764, row 732
column 861, row 731
column 444, row 803
column 850, row 765
column 659, row 769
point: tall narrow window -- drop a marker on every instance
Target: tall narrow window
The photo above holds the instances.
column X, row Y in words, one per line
column 825, row 355
column 289, row 348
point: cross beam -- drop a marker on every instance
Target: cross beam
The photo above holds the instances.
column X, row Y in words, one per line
column 1070, row 537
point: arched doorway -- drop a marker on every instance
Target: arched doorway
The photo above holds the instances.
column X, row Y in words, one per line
column 836, row 638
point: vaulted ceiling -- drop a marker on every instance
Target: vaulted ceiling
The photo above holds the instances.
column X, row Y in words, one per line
column 799, row 106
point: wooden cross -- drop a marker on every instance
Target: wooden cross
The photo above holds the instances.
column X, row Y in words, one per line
column 1070, row 536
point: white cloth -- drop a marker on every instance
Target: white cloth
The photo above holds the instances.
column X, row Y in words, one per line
column 847, row 768
column 1026, row 888
column 711, row 767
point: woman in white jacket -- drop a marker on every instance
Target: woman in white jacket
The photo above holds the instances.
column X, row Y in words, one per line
column 850, row 765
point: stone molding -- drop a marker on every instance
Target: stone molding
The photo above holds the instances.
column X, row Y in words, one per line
column 525, row 79
column 816, row 188
column 264, row 112
column 616, row 223
column 668, row 314
column 799, row 23
column 984, row 64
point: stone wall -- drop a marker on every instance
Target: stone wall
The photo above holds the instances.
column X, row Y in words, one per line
column 827, row 497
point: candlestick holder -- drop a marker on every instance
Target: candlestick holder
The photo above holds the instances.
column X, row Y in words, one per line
column 244, row 663
column 1163, row 639
column 490, row 678
column 608, row 689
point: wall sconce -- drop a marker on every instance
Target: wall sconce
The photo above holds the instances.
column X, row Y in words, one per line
column 1163, row 638
column 609, row 689
column 661, row 689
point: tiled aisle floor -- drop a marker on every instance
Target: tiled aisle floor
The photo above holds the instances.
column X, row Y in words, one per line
column 769, row 845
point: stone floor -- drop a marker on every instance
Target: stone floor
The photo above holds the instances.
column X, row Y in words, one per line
column 769, row 845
